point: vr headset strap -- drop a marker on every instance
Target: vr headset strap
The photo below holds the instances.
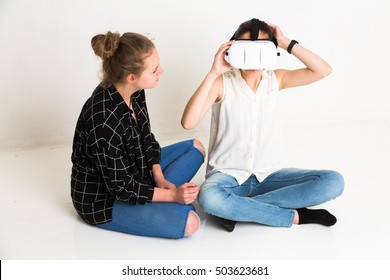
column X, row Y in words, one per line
column 255, row 29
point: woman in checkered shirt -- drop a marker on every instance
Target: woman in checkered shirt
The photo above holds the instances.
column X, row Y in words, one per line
column 121, row 179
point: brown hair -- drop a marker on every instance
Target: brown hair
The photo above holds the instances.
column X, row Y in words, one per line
column 121, row 55
column 247, row 26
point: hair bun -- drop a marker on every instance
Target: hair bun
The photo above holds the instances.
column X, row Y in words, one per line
column 105, row 45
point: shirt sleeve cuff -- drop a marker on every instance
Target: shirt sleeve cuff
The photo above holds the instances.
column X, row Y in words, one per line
column 146, row 195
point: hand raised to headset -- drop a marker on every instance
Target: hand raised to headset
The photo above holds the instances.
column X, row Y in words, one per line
column 283, row 41
column 220, row 65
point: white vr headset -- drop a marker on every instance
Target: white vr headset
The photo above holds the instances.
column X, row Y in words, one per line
column 253, row 54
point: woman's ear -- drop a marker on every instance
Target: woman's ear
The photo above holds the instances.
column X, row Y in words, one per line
column 130, row 79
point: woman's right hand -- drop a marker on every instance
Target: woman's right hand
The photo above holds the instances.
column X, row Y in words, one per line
column 186, row 193
column 220, row 65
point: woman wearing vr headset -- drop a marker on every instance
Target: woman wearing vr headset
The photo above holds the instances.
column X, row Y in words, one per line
column 121, row 179
column 245, row 177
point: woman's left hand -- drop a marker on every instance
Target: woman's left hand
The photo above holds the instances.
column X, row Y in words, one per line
column 165, row 184
column 283, row 41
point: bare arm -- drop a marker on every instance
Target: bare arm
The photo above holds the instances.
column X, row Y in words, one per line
column 316, row 68
column 159, row 178
column 165, row 191
column 209, row 91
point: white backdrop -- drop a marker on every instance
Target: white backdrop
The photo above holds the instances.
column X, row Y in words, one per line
column 48, row 69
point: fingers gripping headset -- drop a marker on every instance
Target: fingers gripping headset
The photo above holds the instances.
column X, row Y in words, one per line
column 253, row 53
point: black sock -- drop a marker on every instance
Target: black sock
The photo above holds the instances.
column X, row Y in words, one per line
column 228, row 225
column 316, row 216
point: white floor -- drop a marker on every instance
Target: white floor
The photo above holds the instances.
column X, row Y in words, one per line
column 37, row 219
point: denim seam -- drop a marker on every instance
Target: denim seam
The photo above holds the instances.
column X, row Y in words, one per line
column 312, row 177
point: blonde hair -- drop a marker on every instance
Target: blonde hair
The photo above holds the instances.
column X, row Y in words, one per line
column 121, row 55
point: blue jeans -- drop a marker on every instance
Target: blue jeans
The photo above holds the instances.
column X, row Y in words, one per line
column 179, row 163
column 270, row 202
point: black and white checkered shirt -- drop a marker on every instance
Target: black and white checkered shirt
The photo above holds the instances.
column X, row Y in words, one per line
column 112, row 155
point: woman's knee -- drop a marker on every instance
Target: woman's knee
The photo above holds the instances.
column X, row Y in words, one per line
column 213, row 200
column 193, row 223
column 207, row 197
column 335, row 182
column 215, row 192
column 202, row 199
column 199, row 146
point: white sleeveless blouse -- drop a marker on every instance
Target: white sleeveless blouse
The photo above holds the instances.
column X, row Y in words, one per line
column 245, row 137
